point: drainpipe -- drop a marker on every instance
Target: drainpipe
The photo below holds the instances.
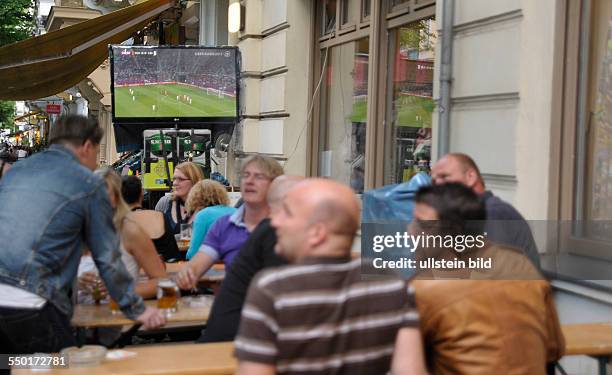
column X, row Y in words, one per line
column 446, row 73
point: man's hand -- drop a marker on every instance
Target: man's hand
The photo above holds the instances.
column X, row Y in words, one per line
column 91, row 283
column 151, row 318
column 186, row 278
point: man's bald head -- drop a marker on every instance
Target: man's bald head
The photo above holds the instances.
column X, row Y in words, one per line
column 331, row 203
column 318, row 218
column 458, row 167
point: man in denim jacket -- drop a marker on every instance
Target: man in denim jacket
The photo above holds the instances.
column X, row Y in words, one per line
column 52, row 205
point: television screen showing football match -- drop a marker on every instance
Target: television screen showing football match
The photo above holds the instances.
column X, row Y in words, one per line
column 187, row 82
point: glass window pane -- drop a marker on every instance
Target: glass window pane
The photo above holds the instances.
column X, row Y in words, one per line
column 344, row 113
column 366, row 7
column 599, row 154
column 345, row 11
column 410, row 101
column 329, row 16
column 398, row 2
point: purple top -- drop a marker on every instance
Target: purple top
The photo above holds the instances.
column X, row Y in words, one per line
column 226, row 237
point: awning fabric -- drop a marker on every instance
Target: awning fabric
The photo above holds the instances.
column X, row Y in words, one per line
column 53, row 62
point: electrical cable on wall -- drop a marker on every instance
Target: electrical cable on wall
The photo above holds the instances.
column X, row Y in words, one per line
column 314, row 96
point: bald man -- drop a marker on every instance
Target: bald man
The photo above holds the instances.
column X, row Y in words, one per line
column 505, row 225
column 317, row 315
column 256, row 254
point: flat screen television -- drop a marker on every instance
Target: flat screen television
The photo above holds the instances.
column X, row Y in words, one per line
column 173, row 86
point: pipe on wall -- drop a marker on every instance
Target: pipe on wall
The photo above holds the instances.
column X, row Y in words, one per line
column 446, row 77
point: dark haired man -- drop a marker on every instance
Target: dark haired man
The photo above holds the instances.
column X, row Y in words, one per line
column 505, row 225
column 53, row 205
column 500, row 320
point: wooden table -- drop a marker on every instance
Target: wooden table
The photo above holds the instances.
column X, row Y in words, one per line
column 95, row 316
column 207, row 359
column 593, row 339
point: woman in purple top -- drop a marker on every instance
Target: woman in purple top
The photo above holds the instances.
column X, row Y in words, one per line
column 230, row 232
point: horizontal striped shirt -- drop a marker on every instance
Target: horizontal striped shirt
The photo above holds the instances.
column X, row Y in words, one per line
column 321, row 317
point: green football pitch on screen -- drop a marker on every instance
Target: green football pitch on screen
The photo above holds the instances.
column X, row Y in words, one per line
column 169, row 100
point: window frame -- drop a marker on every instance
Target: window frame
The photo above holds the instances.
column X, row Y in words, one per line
column 574, row 51
column 376, row 27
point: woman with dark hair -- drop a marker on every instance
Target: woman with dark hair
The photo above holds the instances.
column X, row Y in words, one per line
column 154, row 223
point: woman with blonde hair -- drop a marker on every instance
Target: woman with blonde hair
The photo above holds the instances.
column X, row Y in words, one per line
column 185, row 176
column 207, row 201
column 137, row 249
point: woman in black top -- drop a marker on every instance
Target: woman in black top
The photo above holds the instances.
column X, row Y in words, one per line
column 154, row 223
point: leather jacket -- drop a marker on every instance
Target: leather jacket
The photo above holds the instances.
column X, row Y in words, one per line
column 504, row 324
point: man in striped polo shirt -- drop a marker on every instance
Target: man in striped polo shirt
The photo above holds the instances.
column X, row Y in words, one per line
column 317, row 315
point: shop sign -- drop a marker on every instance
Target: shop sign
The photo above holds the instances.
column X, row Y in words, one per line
column 53, row 109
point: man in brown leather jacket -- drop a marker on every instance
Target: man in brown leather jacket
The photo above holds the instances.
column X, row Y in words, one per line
column 497, row 320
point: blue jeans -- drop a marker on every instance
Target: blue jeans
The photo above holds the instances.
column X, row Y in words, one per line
column 46, row 330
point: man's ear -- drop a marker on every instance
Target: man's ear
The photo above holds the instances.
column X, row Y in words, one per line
column 471, row 178
column 88, row 145
column 317, row 234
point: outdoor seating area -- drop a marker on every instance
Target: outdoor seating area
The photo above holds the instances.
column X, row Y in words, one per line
column 304, row 187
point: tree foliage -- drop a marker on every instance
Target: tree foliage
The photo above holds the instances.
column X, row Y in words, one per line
column 16, row 23
column 7, row 112
column 16, row 20
column 418, row 36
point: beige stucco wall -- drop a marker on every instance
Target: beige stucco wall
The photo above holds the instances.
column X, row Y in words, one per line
column 275, row 47
column 502, row 95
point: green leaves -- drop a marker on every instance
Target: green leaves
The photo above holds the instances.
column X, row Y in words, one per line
column 7, row 113
column 17, row 20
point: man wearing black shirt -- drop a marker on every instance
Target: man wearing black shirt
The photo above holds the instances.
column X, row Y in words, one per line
column 256, row 254
column 504, row 224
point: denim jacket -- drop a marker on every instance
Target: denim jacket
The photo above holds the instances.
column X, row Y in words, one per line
column 50, row 206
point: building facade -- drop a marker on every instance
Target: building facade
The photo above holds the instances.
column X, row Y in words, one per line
column 368, row 92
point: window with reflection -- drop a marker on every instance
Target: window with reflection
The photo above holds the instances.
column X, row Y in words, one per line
column 345, row 11
column 598, row 119
column 329, row 16
column 365, row 8
column 395, row 3
column 343, row 115
column 410, row 103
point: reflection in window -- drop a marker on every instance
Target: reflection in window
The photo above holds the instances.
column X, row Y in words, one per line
column 366, row 7
column 329, row 24
column 345, row 11
column 344, row 113
column 398, row 2
column 410, row 105
column 599, row 112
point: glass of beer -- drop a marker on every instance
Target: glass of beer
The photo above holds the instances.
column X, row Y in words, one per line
column 167, row 295
column 114, row 307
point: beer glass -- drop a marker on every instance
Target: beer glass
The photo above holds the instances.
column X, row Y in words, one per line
column 186, row 231
column 167, row 295
column 96, row 289
column 114, row 307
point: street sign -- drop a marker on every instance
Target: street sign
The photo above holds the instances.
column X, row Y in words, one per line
column 53, row 109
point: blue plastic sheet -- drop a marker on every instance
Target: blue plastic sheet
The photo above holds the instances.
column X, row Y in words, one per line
column 392, row 203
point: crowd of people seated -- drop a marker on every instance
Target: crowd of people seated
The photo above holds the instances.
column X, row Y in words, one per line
column 294, row 299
